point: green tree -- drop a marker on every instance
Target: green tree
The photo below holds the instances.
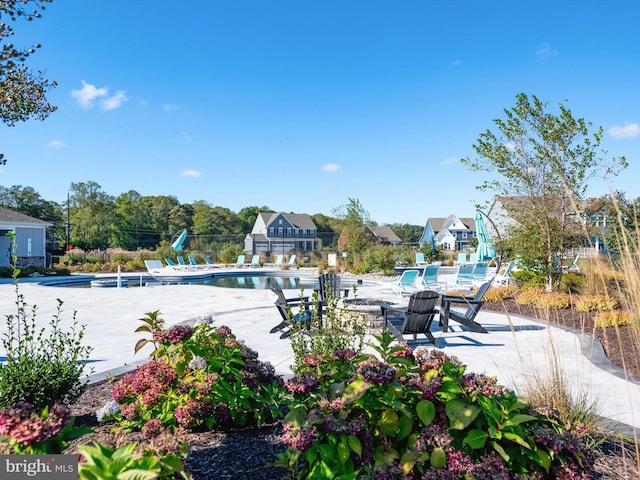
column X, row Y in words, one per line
column 92, row 213
column 161, row 217
column 208, row 220
column 408, row 233
column 542, row 162
column 356, row 233
column 328, row 229
column 27, row 201
column 22, row 91
column 249, row 215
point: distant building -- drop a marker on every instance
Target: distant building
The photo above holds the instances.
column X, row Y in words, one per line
column 30, row 239
column 386, row 236
column 379, row 235
column 451, row 233
column 282, row 233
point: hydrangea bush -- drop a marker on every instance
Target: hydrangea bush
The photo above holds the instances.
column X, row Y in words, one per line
column 25, row 430
column 417, row 415
column 198, row 377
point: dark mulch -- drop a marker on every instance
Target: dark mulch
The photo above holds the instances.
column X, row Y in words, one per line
column 247, row 454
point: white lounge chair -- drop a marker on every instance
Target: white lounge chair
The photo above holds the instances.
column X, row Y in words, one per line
column 429, row 278
column 255, row 261
column 276, row 264
column 406, row 284
column 464, row 277
column 292, row 262
column 504, row 277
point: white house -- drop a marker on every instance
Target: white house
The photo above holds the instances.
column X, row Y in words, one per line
column 282, row 233
column 451, row 233
column 30, row 239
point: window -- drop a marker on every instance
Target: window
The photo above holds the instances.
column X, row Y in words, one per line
column 272, row 231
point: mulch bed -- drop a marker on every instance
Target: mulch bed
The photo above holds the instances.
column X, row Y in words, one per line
column 247, row 454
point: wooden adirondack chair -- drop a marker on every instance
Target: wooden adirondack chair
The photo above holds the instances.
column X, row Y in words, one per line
column 466, row 318
column 415, row 318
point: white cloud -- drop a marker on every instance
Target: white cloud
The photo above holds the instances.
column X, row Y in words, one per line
column 56, row 144
column 89, row 93
column 510, row 146
column 455, row 63
column 111, row 103
column 331, row 167
column 191, row 173
column 545, row 51
column 630, row 130
column 186, row 136
column 450, row 160
column 168, row 107
column 327, row 187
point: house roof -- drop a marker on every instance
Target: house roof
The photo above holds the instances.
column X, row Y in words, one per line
column 298, row 220
column 386, row 232
column 9, row 216
column 438, row 223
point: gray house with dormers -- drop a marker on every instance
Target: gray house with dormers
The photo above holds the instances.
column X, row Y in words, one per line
column 282, row 233
column 30, row 239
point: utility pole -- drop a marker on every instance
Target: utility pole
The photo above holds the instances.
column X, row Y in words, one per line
column 66, row 246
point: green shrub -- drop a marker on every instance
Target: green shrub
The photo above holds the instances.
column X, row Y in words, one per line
column 596, row 302
column 229, row 252
column 572, row 283
column 340, row 328
column 43, row 365
column 101, row 462
column 529, row 278
column 378, row 257
column 416, row 416
column 199, row 377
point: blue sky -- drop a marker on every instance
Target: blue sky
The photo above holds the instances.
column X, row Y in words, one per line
column 300, row 105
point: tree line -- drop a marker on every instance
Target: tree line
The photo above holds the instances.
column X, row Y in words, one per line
column 97, row 220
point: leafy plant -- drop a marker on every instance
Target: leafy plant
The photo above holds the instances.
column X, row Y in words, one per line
column 596, row 302
column 572, row 283
column 612, row 319
column 25, row 431
column 529, row 296
column 199, row 377
column 553, row 301
column 416, row 416
column 498, row 294
column 339, row 328
column 43, row 365
column 101, row 462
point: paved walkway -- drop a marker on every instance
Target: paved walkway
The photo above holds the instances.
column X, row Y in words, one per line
column 514, row 349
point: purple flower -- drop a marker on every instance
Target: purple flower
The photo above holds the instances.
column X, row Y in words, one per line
column 152, row 428
column 304, row 383
column 223, row 331
column 299, row 439
column 197, row 363
column 109, row 408
column 374, row 371
column 222, row 414
column 23, row 424
column 345, row 354
column 312, row 359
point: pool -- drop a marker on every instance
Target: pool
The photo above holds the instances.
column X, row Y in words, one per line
column 255, row 280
